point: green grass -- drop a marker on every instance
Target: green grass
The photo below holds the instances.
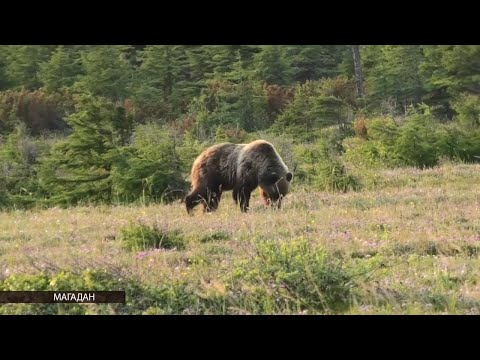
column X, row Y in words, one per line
column 137, row 237
column 410, row 245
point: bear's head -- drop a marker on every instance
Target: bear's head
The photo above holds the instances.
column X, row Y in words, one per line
column 273, row 188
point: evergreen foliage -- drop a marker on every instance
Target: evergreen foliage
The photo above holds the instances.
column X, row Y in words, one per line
column 121, row 123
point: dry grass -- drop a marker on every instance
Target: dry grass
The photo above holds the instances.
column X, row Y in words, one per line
column 423, row 227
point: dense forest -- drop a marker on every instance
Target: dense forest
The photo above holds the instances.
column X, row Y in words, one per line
column 89, row 124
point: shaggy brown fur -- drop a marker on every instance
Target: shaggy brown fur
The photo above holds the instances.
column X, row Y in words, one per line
column 241, row 168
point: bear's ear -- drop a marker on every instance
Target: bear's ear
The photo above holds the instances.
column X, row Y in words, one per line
column 289, row 176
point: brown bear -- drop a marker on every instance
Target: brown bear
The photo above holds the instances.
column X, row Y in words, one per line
column 241, row 168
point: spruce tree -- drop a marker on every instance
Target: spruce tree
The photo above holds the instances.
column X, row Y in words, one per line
column 313, row 62
column 61, row 70
column 164, row 85
column 271, row 66
column 22, row 63
column 107, row 72
column 78, row 168
column 393, row 71
column 149, row 169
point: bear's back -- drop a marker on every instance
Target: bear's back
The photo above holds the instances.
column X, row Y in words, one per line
column 263, row 155
column 216, row 164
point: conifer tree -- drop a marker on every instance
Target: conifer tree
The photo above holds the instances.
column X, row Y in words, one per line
column 270, row 65
column 107, row 72
column 164, row 80
column 79, row 167
column 313, row 62
column 22, row 63
column 61, row 70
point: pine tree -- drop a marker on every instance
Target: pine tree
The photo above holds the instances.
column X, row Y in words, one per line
column 271, row 65
column 149, row 169
column 200, row 65
column 224, row 59
column 107, row 72
column 463, row 65
column 447, row 71
column 313, row 62
column 313, row 108
column 22, row 63
column 415, row 144
column 251, row 106
column 241, row 105
column 163, row 84
column 79, row 167
column 209, row 62
column 61, row 70
column 393, row 71
column 451, row 68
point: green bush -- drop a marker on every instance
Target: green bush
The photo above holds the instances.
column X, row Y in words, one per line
column 334, row 177
column 467, row 107
column 149, row 168
column 323, row 171
column 456, row 143
column 143, row 237
column 20, row 157
column 370, row 154
column 419, row 140
column 168, row 297
column 383, row 129
column 292, row 277
column 415, row 144
column 315, row 106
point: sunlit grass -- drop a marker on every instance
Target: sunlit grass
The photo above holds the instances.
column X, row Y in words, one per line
column 411, row 245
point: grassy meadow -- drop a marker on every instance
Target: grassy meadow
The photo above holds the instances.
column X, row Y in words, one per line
column 408, row 245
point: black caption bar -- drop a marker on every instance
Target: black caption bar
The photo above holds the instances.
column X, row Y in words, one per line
column 48, row 297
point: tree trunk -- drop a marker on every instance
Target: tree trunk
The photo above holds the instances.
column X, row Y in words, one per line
column 358, row 70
